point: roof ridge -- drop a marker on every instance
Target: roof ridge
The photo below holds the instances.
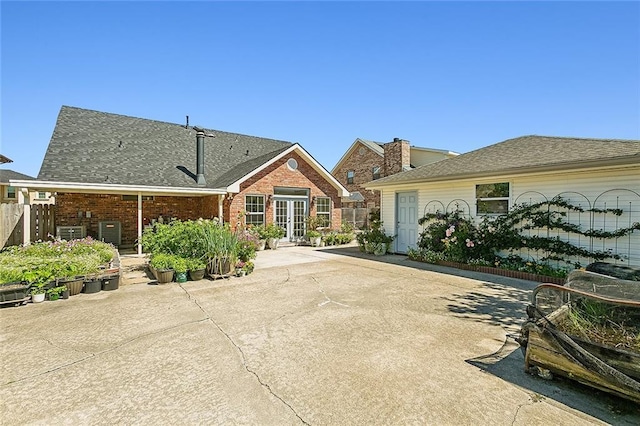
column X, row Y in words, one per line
column 170, row 123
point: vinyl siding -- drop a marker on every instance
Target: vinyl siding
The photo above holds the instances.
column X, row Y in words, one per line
column 599, row 188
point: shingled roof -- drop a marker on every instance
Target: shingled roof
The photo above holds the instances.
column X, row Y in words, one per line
column 4, row 159
column 98, row 147
column 5, row 175
column 523, row 154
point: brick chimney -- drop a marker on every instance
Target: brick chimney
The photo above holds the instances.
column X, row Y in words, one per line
column 397, row 156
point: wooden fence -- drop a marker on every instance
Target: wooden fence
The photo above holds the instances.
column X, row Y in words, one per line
column 11, row 223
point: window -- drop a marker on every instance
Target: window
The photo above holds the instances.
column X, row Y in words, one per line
column 42, row 196
column 376, row 173
column 323, row 210
column 492, row 198
column 350, row 175
column 11, row 193
column 135, row 198
column 254, row 206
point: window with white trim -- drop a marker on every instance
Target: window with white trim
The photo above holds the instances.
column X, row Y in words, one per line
column 323, row 210
column 350, row 175
column 492, row 198
column 41, row 195
column 254, row 208
column 10, row 193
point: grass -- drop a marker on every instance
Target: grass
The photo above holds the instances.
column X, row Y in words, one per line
column 606, row 324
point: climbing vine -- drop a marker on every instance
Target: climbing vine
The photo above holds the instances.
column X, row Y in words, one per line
column 460, row 239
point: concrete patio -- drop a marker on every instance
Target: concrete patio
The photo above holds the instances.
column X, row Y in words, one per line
column 313, row 336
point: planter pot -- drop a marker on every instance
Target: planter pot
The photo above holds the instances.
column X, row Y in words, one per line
column 92, row 285
column 241, row 273
column 315, row 242
column 196, row 275
column 13, row 291
column 65, row 294
column 261, row 245
column 74, row 286
column 164, row 276
column 379, row 249
column 273, row 243
column 37, row 298
column 111, row 282
column 220, row 267
column 181, row 277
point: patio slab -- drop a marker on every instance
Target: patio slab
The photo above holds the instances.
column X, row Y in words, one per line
column 313, row 336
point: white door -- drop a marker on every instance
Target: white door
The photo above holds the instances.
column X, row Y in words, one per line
column 290, row 214
column 407, row 221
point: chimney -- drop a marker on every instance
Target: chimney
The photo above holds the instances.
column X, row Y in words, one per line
column 397, row 156
column 200, row 156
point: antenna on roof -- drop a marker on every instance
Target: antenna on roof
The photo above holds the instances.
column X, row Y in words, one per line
column 186, row 126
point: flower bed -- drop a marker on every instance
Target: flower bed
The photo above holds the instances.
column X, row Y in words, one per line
column 521, row 275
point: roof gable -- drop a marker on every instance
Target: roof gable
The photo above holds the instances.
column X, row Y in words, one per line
column 376, row 147
column 523, row 154
column 97, row 147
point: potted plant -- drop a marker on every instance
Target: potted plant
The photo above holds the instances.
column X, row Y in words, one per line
column 274, row 234
column 179, row 265
column 314, row 238
column 38, row 292
column 260, row 232
column 54, row 293
column 162, row 264
column 196, row 267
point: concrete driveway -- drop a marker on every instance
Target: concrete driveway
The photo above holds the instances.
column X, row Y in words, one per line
column 313, row 336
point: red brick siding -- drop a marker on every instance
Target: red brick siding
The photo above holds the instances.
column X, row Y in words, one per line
column 111, row 207
column 362, row 164
column 278, row 174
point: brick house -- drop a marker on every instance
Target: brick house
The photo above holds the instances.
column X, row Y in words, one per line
column 365, row 161
column 114, row 174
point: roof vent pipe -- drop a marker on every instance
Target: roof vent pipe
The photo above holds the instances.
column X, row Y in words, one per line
column 200, row 156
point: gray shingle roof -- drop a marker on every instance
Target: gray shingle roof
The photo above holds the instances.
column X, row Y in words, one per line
column 523, row 154
column 97, row 147
column 5, row 175
column 4, row 159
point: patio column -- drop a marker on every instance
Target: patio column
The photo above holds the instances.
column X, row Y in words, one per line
column 221, row 207
column 139, row 222
column 23, row 199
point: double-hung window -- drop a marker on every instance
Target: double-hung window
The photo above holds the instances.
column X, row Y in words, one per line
column 254, row 207
column 323, row 210
column 350, row 175
column 492, row 198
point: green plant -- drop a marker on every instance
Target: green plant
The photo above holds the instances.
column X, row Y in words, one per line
column 274, row 231
column 56, row 290
column 313, row 234
column 162, row 261
column 260, row 231
column 179, row 264
column 195, row 264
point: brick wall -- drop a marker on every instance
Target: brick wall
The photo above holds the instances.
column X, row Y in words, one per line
column 278, row 174
column 362, row 161
column 111, row 207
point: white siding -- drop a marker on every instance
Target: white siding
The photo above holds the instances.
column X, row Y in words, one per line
column 599, row 188
column 388, row 211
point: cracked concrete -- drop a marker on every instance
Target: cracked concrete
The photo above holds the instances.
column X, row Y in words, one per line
column 313, row 336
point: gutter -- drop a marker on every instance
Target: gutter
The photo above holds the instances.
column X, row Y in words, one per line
column 99, row 188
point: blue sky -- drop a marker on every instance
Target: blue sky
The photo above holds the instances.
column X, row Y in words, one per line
column 457, row 75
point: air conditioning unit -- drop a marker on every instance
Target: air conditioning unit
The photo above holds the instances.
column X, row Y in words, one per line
column 71, row 232
column 109, row 232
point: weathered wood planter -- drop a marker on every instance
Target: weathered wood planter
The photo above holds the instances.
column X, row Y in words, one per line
column 546, row 346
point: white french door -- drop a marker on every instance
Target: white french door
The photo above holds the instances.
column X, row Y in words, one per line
column 290, row 214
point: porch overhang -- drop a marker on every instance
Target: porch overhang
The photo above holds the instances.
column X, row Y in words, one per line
column 98, row 188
